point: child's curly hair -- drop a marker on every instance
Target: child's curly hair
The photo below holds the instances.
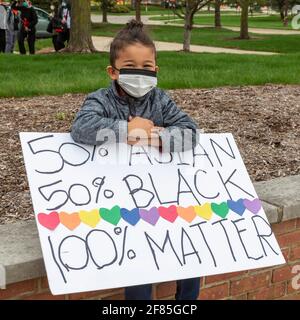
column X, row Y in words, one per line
column 132, row 33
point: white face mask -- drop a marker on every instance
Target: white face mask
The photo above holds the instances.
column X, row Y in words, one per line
column 137, row 82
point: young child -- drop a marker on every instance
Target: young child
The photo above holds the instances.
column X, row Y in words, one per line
column 136, row 110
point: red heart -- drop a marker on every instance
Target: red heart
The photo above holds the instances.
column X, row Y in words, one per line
column 49, row 221
column 169, row 213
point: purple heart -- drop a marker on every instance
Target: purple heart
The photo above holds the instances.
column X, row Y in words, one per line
column 237, row 206
column 151, row 216
column 252, row 205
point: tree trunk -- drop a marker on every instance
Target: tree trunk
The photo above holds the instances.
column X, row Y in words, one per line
column 281, row 14
column 218, row 13
column 244, row 19
column 188, row 26
column 285, row 11
column 132, row 4
column 138, row 10
column 80, row 32
column 104, row 14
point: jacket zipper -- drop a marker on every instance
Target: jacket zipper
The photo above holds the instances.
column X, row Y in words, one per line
column 131, row 113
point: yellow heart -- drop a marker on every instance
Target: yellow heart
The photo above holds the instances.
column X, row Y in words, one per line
column 204, row 211
column 91, row 218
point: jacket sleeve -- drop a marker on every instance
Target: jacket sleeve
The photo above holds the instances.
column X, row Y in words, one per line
column 181, row 133
column 92, row 124
column 34, row 19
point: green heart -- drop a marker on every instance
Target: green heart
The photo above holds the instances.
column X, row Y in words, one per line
column 112, row 216
column 220, row 209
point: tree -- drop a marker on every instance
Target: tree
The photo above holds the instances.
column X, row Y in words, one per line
column 281, row 7
column 186, row 11
column 105, row 6
column 138, row 10
column 244, row 5
column 218, row 13
column 284, row 6
column 244, row 34
column 80, row 32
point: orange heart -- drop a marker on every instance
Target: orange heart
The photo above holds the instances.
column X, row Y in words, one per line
column 69, row 220
column 204, row 211
column 187, row 214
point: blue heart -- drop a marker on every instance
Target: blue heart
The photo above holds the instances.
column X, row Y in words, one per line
column 131, row 216
column 237, row 206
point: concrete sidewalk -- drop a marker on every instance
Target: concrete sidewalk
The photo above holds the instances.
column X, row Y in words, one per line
column 103, row 43
column 267, row 31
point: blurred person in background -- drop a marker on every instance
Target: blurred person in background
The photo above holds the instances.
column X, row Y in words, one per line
column 13, row 20
column 64, row 13
column 3, row 25
column 29, row 20
column 56, row 27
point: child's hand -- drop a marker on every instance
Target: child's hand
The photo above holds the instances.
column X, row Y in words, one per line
column 155, row 142
column 139, row 127
column 156, row 130
column 142, row 131
column 143, row 124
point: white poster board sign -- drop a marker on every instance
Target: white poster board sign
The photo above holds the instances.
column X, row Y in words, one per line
column 117, row 215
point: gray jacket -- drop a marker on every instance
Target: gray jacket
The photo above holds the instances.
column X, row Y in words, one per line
column 10, row 21
column 105, row 109
column 3, row 14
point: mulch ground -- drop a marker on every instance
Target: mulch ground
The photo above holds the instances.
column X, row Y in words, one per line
column 265, row 121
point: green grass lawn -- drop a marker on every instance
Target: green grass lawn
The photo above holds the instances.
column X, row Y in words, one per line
column 163, row 13
column 144, row 13
column 55, row 74
column 269, row 22
column 151, row 10
column 39, row 44
column 214, row 37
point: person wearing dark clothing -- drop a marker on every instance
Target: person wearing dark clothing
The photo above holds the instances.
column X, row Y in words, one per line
column 13, row 21
column 64, row 14
column 3, row 26
column 29, row 20
column 56, row 28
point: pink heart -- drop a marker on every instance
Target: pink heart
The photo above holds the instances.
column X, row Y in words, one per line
column 168, row 213
column 252, row 205
column 49, row 221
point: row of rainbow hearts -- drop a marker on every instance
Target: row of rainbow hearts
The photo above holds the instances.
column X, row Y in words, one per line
column 114, row 215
